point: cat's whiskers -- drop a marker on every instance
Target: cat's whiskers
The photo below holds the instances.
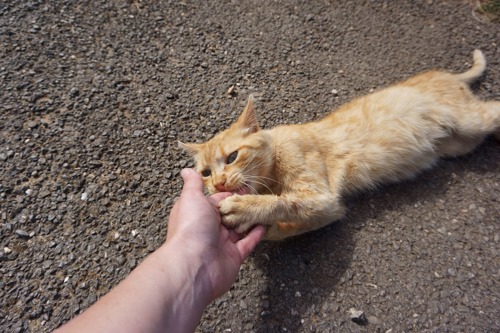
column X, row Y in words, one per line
column 241, row 180
column 250, row 187
column 238, row 178
column 268, row 178
column 256, row 179
column 244, row 168
column 254, row 166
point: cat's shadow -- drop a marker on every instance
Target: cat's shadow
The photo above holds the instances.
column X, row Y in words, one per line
column 302, row 272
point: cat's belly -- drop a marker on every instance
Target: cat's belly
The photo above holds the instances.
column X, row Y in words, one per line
column 378, row 163
column 363, row 177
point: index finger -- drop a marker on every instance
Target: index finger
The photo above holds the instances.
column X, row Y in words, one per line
column 218, row 197
column 246, row 245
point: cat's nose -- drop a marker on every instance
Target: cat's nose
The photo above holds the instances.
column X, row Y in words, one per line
column 220, row 185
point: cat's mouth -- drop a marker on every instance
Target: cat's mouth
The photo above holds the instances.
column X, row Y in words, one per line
column 241, row 190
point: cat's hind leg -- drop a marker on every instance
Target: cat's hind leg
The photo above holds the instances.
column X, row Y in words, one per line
column 457, row 145
column 471, row 127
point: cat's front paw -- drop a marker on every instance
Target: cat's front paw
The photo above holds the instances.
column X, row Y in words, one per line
column 235, row 213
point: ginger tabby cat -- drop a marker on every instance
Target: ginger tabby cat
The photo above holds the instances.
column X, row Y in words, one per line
column 292, row 178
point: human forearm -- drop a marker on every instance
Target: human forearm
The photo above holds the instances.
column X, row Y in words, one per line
column 166, row 293
column 170, row 289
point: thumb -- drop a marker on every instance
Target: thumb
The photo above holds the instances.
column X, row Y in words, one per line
column 192, row 181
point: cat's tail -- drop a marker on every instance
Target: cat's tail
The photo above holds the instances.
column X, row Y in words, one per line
column 477, row 68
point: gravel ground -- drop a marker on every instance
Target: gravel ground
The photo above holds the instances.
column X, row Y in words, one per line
column 94, row 96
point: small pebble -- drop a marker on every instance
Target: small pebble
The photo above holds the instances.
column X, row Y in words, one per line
column 120, row 260
column 22, row 233
column 74, row 92
column 374, row 320
column 265, row 313
column 231, row 91
column 357, row 316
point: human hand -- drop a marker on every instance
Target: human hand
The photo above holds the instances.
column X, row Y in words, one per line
column 195, row 225
column 170, row 289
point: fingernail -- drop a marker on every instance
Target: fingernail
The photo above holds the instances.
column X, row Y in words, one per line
column 186, row 172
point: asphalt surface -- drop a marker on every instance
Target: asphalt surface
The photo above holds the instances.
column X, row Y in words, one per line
column 94, row 96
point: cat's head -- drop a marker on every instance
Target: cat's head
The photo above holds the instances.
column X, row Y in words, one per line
column 237, row 159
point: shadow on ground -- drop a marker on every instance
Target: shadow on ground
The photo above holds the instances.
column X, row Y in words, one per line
column 304, row 271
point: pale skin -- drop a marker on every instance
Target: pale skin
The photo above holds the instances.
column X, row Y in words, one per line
column 170, row 289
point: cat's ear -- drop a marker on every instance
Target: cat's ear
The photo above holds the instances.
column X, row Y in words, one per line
column 191, row 148
column 248, row 120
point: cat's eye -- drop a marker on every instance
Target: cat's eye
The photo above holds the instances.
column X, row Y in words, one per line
column 206, row 173
column 230, row 159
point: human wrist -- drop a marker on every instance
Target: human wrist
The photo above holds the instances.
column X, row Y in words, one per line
column 187, row 271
